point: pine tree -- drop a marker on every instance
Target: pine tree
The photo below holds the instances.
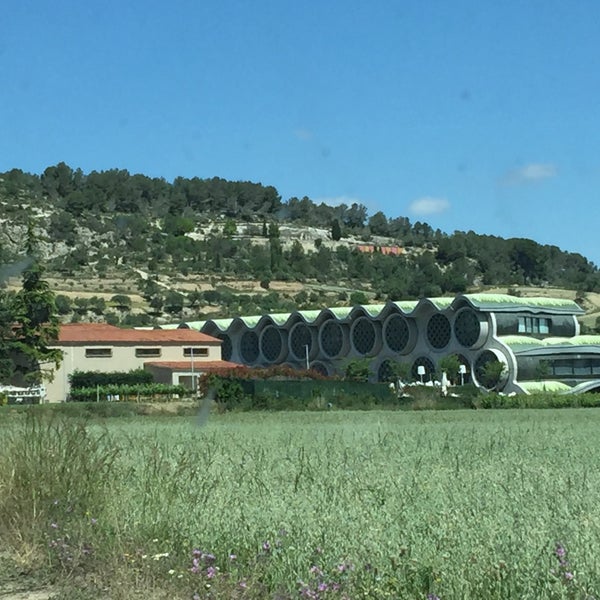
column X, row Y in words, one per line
column 36, row 322
column 336, row 231
column 6, row 335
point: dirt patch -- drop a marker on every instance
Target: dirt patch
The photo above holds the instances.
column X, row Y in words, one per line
column 42, row 594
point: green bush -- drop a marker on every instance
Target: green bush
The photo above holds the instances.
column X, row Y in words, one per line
column 92, row 379
column 136, row 392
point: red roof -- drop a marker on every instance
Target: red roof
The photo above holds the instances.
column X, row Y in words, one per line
column 199, row 365
column 102, row 333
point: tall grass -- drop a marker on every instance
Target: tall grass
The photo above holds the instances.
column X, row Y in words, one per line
column 461, row 504
column 51, row 472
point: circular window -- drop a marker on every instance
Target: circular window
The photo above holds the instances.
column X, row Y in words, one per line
column 332, row 339
column 467, row 328
column 249, row 347
column 438, row 331
column 489, row 369
column 363, row 335
column 428, row 366
column 226, row 347
column 396, row 333
column 386, row 371
column 271, row 344
column 320, row 368
column 300, row 337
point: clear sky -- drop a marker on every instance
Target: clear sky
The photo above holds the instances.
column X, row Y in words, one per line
column 469, row 115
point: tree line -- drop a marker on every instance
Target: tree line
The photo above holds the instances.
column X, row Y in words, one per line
column 139, row 221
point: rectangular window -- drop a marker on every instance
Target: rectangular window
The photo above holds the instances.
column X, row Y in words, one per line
column 563, row 367
column 193, row 352
column 147, row 352
column 98, row 352
column 582, row 368
column 533, row 325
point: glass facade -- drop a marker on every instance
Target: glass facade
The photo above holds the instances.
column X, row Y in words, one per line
column 249, row 347
column 467, row 328
column 438, row 331
column 363, row 335
column 396, row 333
column 332, row 338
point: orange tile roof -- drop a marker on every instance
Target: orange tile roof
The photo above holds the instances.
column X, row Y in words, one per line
column 199, row 365
column 102, row 333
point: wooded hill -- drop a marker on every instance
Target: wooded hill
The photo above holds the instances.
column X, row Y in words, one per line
column 189, row 247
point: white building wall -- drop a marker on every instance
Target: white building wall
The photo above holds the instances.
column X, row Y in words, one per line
column 123, row 359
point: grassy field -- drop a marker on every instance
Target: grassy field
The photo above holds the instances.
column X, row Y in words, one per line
column 461, row 504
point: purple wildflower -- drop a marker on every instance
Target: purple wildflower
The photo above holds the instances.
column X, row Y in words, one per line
column 211, row 572
column 266, row 546
column 322, row 587
column 568, row 575
column 195, row 565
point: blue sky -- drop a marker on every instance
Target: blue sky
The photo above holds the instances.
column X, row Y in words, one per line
column 469, row 115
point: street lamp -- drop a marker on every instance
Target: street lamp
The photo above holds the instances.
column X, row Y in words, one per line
column 421, row 372
column 462, row 369
column 306, row 355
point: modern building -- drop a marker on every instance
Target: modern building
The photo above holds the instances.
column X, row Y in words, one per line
column 174, row 357
column 536, row 339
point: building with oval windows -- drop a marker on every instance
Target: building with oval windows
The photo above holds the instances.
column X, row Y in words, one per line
column 536, row 339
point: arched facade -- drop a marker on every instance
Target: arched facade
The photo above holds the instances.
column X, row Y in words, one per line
column 535, row 339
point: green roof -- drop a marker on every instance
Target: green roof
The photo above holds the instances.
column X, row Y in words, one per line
column 576, row 340
column 506, row 301
column 280, row 318
column 251, row 322
column 485, row 302
column 406, row 306
column 441, row 303
column 373, row 309
column 310, row 315
column 522, row 342
column 341, row 312
column 543, row 386
column 222, row 324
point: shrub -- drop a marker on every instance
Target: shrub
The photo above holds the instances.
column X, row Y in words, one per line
column 91, row 379
column 122, row 392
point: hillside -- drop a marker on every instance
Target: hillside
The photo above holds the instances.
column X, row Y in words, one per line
column 136, row 250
